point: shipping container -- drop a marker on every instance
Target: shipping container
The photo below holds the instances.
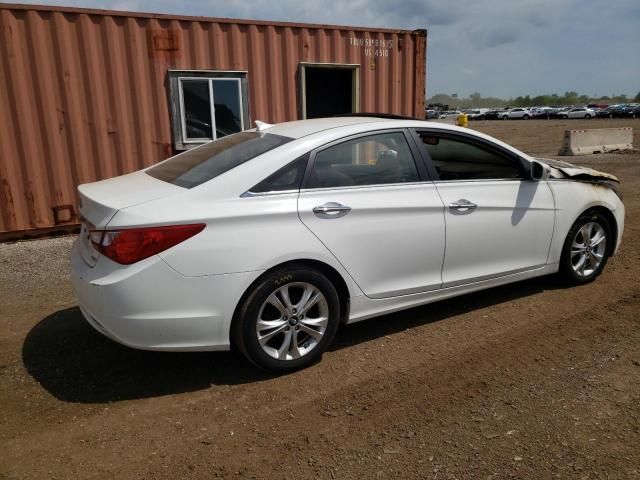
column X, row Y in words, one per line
column 91, row 94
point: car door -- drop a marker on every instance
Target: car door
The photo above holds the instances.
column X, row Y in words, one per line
column 374, row 207
column 498, row 221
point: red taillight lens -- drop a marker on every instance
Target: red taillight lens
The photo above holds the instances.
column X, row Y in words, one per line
column 135, row 244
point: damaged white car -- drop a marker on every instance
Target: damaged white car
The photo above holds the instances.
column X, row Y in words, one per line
column 270, row 239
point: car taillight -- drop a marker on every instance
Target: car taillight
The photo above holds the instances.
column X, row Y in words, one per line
column 131, row 245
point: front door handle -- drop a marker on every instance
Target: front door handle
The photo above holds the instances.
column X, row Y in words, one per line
column 331, row 210
column 463, row 204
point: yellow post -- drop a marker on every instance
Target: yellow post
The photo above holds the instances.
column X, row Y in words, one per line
column 462, row 120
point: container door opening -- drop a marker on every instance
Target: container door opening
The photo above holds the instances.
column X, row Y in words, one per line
column 329, row 90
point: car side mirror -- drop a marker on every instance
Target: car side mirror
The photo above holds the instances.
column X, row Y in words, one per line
column 538, row 171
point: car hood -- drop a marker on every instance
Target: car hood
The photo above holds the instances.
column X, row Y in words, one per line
column 561, row 169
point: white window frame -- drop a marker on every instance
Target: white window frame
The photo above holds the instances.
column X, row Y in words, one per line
column 183, row 116
column 176, row 94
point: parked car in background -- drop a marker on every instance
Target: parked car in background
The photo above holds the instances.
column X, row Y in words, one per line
column 516, row 113
column 449, row 114
column 431, row 114
column 270, row 239
column 633, row 111
column 614, row 111
column 560, row 112
column 541, row 112
column 493, row 114
column 579, row 112
column 477, row 114
column 604, row 113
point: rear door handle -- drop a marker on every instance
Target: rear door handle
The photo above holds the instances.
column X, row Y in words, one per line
column 331, row 210
column 463, row 204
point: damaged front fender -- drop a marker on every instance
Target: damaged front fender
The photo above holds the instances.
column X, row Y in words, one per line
column 567, row 171
column 560, row 169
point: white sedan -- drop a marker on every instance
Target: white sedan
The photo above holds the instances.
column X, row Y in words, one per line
column 516, row 113
column 270, row 239
column 581, row 112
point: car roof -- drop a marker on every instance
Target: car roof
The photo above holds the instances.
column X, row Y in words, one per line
column 302, row 128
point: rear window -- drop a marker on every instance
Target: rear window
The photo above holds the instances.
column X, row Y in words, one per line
column 201, row 164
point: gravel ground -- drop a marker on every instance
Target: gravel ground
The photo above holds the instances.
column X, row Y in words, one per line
column 532, row 380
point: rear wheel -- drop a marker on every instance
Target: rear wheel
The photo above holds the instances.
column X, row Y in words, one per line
column 586, row 248
column 288, row 319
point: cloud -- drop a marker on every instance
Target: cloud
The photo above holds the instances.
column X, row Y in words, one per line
column 495, row 38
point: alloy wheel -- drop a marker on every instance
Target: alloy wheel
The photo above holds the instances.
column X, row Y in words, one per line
column 292, row 321
column 588, row 249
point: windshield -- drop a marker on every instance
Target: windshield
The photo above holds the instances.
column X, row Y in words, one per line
column 201, row 164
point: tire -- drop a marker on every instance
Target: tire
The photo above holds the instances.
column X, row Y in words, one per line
column 525, row 117
column 505, row 117
column 271, row 346
column 564, row 117
column 587, row 117
column 571, row 267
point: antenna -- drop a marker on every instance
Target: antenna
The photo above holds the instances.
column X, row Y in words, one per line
column 262, row 126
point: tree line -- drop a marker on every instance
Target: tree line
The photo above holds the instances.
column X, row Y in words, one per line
column 569, row 98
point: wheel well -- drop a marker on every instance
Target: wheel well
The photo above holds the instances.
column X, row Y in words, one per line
column 327, row 270
column 612, row 222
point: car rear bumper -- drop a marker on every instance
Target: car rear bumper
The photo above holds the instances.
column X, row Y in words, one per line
column 150, row 306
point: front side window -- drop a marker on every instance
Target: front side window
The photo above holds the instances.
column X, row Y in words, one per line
column 456, row 159
column 371, row 160
column 200, row 165
column 207, row 106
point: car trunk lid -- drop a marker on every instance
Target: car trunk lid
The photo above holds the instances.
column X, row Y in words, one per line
column 100, row 201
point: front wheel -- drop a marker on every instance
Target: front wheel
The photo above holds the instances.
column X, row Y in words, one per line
column 288, row 319
column 525, row 117
column 587, row 116
column 586, row 248
column 505, row 117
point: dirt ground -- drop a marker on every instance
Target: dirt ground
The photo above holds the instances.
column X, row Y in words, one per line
column 532, row 380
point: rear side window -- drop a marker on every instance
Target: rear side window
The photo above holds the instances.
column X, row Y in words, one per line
column 288, row 177
column 200, row 165
column 454, row 159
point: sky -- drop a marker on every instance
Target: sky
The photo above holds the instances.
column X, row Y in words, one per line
column 501, row 48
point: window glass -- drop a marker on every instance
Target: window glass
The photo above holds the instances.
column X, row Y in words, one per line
column 197, row 109
column 201, row 164
column 287, row 178
column 226, row 97
column 371, row 160
column 458, row 160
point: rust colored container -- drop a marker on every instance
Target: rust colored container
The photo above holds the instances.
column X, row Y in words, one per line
column 91, row 94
